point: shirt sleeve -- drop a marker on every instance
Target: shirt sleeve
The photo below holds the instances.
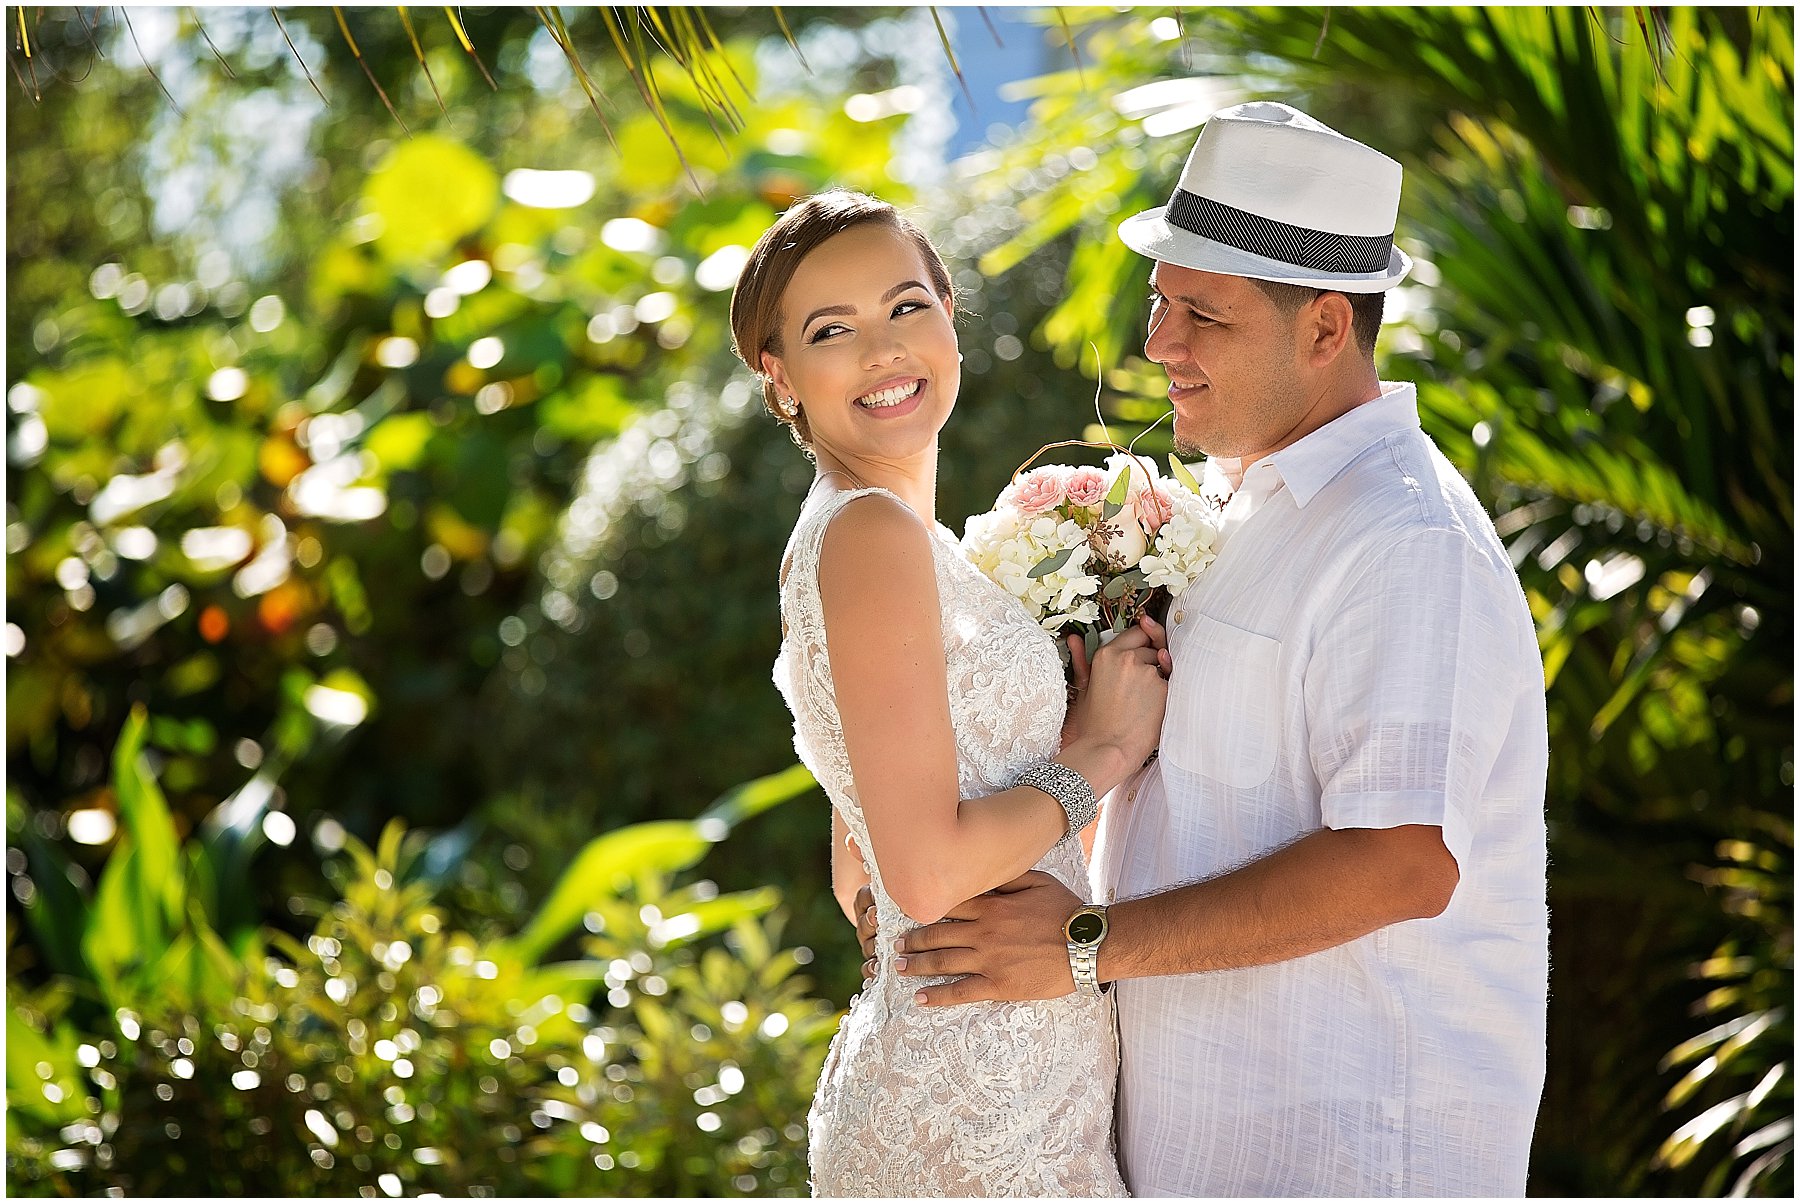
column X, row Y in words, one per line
column 1411, row 686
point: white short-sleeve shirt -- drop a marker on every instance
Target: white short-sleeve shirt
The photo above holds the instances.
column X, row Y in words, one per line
column 1360, row 655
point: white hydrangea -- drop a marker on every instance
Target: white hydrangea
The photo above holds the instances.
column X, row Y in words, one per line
column 1006, row 545
column 1185, row 545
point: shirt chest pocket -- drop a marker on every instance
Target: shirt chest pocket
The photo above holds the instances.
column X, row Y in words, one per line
column 1224, row 713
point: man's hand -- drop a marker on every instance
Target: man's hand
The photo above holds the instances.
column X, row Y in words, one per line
column 1007, row 944
column 865, row 929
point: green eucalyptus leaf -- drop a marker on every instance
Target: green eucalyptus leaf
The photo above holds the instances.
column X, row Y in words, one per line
column 1182, row 473
column 1121, row 489
column 1050, row 564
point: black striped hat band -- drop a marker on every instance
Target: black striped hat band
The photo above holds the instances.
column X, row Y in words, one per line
column 1315, row 250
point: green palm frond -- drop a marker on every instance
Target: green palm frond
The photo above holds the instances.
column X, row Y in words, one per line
column 356, row 50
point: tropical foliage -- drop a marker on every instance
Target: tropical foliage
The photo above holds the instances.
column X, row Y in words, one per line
column 387, row 1050
column 394, row 475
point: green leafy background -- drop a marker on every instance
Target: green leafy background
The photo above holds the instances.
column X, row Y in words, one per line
column 390, row 550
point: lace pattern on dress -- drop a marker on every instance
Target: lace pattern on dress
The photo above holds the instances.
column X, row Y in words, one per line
column 1006, row 1099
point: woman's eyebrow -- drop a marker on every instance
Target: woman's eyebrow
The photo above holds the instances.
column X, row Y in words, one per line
column 825, row 310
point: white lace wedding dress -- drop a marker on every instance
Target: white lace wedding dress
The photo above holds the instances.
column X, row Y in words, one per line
column 988, row 1099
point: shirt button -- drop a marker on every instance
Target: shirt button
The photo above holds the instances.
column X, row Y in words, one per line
column 1180, row 615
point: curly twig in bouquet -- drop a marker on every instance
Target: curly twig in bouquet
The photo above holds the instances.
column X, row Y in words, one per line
column 1090, row 549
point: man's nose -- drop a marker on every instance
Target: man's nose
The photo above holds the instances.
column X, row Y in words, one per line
column 1160, row 342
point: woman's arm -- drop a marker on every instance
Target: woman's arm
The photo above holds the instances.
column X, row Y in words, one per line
column 847, row 873
column 883, row 630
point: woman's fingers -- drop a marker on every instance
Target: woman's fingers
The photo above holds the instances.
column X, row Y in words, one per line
column 1078, row 661
column 1125, row 641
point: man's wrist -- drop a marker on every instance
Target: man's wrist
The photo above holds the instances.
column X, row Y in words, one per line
column 1112, row 963
column 1084, row 932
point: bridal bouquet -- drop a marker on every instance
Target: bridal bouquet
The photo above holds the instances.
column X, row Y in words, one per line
column 1091, row 549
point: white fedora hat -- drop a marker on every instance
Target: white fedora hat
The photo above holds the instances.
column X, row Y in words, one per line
column 1270, row 193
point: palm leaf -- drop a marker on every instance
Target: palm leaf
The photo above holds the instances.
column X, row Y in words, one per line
column 344, row 28
column 419, row 53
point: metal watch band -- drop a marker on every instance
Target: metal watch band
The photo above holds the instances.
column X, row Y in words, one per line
column 1084, row 961
column 1084, row 956
column 1071, row 791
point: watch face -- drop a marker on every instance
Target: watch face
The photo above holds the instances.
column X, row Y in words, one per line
column 1086, row 928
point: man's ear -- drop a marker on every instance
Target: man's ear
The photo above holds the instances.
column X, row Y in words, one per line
column 1327, row 329
column 777, row 374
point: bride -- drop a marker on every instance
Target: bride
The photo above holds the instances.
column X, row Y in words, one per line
column 932, row 710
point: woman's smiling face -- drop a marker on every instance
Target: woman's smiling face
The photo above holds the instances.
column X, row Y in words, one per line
column 868, row 349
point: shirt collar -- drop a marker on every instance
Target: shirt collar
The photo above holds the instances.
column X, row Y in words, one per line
column 1310, row 463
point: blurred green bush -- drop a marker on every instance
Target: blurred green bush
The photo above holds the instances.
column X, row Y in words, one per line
column 674, row 1054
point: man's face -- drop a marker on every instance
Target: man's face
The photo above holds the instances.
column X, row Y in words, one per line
column 1235, row 370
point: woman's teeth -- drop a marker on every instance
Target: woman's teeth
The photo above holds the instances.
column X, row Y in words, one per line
column 888, row 397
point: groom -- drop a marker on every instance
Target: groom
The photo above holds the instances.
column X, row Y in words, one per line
column 1321, row 910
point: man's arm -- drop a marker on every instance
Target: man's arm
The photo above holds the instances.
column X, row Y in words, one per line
column 1324, row 890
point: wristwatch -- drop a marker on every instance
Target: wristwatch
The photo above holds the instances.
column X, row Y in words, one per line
column 1084, row 932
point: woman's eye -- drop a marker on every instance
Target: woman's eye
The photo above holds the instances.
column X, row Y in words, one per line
column 826, row 331
column 911, row 306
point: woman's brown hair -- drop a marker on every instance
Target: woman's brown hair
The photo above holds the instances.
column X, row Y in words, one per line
column 756, row 301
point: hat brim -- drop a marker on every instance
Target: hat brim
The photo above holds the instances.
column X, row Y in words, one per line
column 1151, row 235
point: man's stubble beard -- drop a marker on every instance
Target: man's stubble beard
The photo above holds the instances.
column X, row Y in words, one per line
column 1185, row 445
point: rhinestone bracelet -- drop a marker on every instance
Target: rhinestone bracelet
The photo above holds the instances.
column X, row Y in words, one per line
column 1068, row 788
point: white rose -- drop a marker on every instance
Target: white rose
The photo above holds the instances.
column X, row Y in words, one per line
column 1127, row 541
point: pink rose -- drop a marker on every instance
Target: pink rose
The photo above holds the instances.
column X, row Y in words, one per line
column 1153, row 508
column 1087, row 488
column 1038, row 491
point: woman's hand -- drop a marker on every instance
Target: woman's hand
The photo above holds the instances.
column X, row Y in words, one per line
column 1120, row 697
